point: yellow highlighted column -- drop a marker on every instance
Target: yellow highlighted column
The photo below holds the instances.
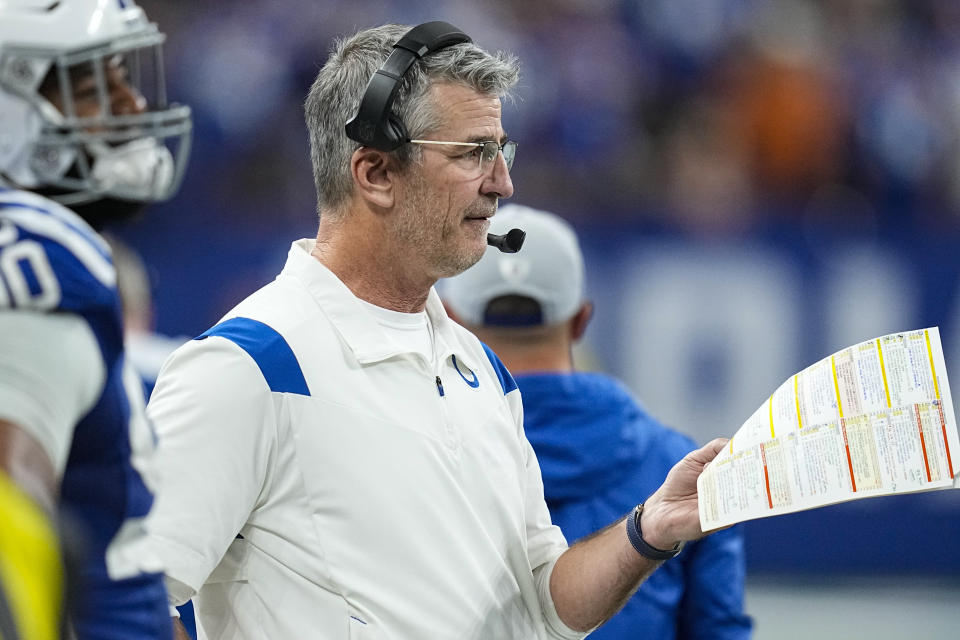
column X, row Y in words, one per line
column 933, row 371
column 883, row 370
column 796, row 398
column 770, row 402
column 836, row 385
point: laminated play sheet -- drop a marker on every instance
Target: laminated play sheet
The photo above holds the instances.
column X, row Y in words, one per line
column 873, row 419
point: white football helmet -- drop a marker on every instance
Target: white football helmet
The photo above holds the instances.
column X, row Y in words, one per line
column 136, row 154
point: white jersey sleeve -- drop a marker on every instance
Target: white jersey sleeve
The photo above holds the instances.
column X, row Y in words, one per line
column 51, row 374
column 210, row 397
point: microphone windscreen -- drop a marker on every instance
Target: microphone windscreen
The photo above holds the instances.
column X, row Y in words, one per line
column 514, row 239
column 509, row 242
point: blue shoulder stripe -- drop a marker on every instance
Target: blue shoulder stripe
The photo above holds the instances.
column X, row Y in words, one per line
column 507, row 383
column 269, row 350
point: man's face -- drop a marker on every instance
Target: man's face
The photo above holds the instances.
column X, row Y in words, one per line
column 446, row 202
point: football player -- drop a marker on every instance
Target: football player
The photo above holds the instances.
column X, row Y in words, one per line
column 86, row 137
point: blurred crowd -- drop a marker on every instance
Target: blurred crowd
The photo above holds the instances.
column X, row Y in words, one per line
column 705, row 116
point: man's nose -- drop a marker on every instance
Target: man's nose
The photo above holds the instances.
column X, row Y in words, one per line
column 498, row 181
column 125, row 100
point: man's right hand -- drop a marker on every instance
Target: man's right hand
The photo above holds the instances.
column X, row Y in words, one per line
column 671, row 515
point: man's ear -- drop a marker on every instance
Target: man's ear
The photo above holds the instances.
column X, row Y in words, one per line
column 374, row 173
column 580, row 320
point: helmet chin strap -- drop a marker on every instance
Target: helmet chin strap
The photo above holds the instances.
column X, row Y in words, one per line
column 139, row 170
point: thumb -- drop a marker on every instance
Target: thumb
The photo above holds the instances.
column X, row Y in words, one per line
column 710, row 450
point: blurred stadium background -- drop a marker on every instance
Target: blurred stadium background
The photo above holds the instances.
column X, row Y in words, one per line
column 757, row 184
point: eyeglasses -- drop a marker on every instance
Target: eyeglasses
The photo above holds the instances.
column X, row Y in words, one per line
column 486, row 152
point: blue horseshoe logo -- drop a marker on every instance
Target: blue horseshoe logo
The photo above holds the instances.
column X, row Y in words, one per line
column 471, row 383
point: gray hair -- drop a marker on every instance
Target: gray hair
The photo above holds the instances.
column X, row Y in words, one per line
column 340, row 84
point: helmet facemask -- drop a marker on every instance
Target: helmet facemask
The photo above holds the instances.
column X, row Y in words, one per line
column 105, row 127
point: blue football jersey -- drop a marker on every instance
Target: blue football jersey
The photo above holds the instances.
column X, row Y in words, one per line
column 51, row 261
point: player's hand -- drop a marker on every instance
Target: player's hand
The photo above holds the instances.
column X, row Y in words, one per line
column 671, row 514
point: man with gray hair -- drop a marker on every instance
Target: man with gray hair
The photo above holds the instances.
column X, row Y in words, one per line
column 340, row 459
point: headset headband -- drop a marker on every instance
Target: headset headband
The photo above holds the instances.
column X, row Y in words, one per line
column 374, row 125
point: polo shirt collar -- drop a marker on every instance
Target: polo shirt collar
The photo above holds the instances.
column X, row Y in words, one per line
column 356, row 326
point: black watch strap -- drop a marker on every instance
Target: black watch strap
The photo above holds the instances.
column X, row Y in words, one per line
column 644, row 549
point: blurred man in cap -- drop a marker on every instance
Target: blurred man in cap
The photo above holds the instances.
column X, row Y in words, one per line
column 598, row 448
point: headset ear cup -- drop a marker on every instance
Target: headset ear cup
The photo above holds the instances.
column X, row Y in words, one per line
column 395, row 132
column 374, row 125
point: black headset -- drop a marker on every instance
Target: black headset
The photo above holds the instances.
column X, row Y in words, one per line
column 375, row 126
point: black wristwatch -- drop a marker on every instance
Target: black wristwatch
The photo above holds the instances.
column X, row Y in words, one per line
column 644, row 549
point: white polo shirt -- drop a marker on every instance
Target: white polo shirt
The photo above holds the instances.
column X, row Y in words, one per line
column 319, row 480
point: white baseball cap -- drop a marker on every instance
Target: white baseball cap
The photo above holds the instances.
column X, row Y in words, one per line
column 548, row 270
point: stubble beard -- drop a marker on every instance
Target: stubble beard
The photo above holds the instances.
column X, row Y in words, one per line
column 435, row 239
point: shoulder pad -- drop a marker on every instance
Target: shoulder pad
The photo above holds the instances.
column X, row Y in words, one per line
column 50, row 258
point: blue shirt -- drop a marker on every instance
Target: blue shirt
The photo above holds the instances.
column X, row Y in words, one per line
column 55, row 263
column 600, row 454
